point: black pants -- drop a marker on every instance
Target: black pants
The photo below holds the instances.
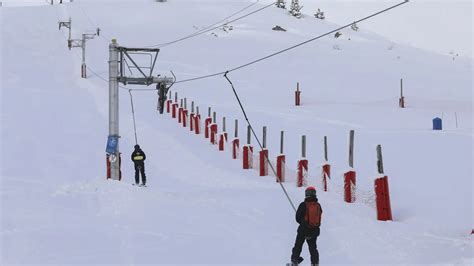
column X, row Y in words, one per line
column 313, row 249
column 140, row 168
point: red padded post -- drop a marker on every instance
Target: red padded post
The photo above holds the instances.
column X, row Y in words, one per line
column 235, row 148
column 382, row 199
column 326, row 174
column 263, row 162
column 281, row 168
column 302, row 174
column 248, row 157
column 350, row 186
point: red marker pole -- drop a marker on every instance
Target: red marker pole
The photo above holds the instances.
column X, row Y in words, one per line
column 236, row 141
column 350, row 176
column 180, row 112
column 264, row 155
column 213, row 130
column 192, row 118
column 326, row 167
column 298, row 95
column 382, row 193
column 281, row 161
column 207, row 122
column 302, row 169
column 248, row 152
column 168, row 104
column 174, row 106
column 197, row 122
column 185, row 114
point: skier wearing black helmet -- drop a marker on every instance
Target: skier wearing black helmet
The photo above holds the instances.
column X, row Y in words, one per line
column 308, row 216
column 138, row 158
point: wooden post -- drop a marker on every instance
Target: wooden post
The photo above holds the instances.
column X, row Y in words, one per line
column 175, row 97
column 351, row 149
column 192, row 107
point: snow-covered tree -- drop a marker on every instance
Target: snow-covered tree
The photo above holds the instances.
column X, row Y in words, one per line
column 319, row 14
column 280, row 3
column 295, row 9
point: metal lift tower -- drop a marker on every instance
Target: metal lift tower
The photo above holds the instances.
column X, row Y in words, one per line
column 120, row 58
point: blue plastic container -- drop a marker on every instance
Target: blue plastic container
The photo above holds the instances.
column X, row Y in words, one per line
column 437, row 123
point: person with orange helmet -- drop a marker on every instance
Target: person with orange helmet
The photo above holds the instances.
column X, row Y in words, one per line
column 308, row 216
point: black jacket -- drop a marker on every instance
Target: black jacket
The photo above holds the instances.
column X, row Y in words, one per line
column 304, row 229
column 138, row 152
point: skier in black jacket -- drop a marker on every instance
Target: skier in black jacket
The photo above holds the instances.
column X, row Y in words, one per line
column 308, row 216
column 138, row 158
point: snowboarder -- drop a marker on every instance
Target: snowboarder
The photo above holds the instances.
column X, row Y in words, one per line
column 138, row 158
column 308, row 216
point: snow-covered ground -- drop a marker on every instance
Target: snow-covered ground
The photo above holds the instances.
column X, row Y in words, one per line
column 200, row 207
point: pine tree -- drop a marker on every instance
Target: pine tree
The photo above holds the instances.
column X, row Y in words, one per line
column 295, row 9
column 280, row 3
column 319, row 14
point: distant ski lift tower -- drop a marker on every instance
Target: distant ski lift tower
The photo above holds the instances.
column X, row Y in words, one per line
column 82, row 44
column 119, row 58
column 66, row 24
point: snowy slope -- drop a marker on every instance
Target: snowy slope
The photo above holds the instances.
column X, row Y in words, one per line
column 200, row 207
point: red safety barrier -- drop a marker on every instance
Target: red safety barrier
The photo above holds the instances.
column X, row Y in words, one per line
column 185, row 117
column 382, row 199
column 297, row 98
column 472, row 232
column 213, row 132
column 235, row 148
column 248, row 157
column 168, row 106
column 326, row 174
column 207, row 122
column 225, row 136
column 197, row 124
column 180, row 115
column 281, row 168
column 174, row 109
column 350, row 186
column 263, row 162
column 191, row 122
column 302, row 175
column 221, row 142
